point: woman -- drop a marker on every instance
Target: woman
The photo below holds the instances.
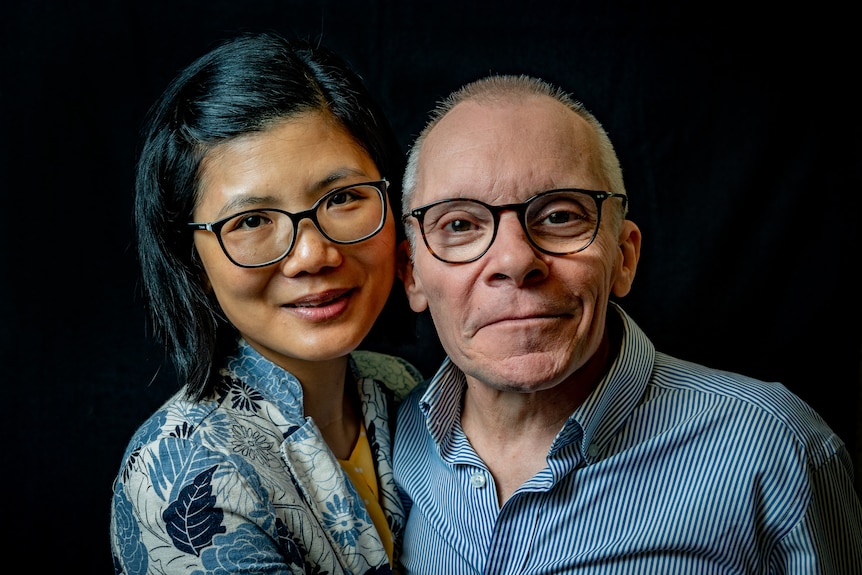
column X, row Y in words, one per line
column 267, row 246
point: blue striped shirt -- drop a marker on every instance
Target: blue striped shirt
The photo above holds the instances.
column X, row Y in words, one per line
column 667, row 467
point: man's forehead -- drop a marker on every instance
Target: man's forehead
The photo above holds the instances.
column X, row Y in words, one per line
column 506, row 147
column 509, row 122
column 536, row 134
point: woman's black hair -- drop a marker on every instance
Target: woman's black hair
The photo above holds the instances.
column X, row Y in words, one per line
column 243, row 85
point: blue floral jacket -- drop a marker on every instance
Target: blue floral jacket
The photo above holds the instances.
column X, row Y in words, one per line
column 243, row 482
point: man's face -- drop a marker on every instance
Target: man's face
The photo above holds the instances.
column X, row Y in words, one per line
column 516, row 319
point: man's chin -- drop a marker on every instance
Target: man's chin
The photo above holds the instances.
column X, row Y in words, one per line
column 518, row 372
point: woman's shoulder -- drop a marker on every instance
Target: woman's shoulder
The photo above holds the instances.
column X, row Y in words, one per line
column 396, row 373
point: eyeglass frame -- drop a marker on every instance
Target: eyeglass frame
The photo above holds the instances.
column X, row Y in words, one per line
column 216, row 226
column 520, row 208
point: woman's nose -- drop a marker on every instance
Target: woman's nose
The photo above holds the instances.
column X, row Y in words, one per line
column 311, row 252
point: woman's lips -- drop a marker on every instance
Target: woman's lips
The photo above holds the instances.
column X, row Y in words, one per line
column 321, row 306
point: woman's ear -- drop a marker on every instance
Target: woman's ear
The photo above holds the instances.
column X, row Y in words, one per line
column 407, row 274
column 630, row 253
column 198, row 265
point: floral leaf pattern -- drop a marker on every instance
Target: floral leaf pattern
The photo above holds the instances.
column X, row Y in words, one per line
column 341, row 521
column 245, row 398
column 236, row 551
column 128, row 537
column 193, row 519
column 398, row 375
column 243, row 481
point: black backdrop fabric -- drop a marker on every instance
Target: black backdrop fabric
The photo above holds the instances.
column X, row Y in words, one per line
column 737, row 129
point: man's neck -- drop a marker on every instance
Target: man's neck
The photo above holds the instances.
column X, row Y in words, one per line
column 512, row 432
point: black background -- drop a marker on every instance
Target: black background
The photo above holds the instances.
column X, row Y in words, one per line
column 737, row 127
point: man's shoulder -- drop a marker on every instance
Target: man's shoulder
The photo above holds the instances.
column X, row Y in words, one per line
column 745, row 396
column 673, row 373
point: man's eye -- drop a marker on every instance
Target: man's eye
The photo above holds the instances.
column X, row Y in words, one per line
column 459, row 225
column 563, row 217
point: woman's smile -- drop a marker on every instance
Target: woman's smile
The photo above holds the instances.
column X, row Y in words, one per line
column 321, row 306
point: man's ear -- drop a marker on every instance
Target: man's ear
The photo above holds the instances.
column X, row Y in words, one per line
column 630, row 253
column 407, row 274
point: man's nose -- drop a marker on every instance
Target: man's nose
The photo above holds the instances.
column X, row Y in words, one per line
column 512, row 255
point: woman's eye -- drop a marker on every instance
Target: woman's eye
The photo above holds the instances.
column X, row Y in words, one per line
column 341, row 198
column 249, row 222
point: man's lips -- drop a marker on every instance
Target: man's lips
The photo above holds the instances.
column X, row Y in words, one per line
column 523, row 318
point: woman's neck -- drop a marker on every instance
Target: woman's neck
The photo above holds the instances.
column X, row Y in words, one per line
column 331, row 399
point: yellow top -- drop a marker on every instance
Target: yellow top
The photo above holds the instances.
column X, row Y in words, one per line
column 360, row 470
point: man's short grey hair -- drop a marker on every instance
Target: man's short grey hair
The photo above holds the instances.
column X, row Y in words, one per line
column 513, row 87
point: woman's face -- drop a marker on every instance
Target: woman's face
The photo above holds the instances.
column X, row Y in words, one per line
column 320, row 301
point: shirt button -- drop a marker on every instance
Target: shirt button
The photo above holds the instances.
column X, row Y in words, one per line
column 477, row 480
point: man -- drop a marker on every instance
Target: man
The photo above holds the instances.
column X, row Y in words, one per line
column 555, row 438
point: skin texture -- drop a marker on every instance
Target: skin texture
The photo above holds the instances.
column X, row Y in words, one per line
column 308, row 311
column 528, row 329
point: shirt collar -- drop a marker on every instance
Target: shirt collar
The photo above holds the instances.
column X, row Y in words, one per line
column 272, row 381
column 592, row 424
column 612, row 402
column 441, row 402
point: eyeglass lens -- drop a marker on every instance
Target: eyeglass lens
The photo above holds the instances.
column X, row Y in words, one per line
column 344, row 216
column 561, row 222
